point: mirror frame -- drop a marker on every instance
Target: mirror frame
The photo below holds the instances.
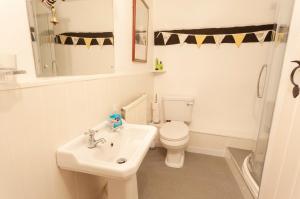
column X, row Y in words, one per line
column 134, row 32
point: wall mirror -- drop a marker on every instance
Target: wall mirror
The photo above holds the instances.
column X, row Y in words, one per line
column 72, row 37
column 140, row 31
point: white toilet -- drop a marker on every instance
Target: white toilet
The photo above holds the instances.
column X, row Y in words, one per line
column 174, row 134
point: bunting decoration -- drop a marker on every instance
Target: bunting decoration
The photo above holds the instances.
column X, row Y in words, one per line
column 75, row 40
column 218, row 36
column 166, row 36
column 219, row 39
column 111, row 40
column 63, row 39
column 261, row 36
column 100, row 41
column 239, row 38
column 182, row 38
column 88, row 42
column 85, row 39
column 282, row 35
column 200, row 39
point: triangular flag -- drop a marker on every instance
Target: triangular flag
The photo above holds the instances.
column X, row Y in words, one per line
column 100, row 41
column 166, row 36
column 63, row 39
column 281, row 37
column 200, row 39
column 238, row 38
column 158, row 34
column 182, row 38
column 87, row 42
column 261, row 36
column 111, row 40
column 273, row 35
column 219, row 39
column 75, row 40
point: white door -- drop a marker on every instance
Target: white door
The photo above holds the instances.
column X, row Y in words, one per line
column 281, row 177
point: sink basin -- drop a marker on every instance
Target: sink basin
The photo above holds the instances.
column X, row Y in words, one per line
column 118, row 159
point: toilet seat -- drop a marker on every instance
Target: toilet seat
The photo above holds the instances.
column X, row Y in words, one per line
column 174, row 131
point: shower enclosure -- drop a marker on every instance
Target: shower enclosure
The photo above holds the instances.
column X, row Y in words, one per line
column 254, row 163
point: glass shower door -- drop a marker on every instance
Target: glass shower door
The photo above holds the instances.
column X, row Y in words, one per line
column 273, row 78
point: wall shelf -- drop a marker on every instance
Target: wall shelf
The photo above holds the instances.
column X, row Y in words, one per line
column 158, row 71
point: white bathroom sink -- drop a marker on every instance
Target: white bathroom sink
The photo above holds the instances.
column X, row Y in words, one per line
column 131, row 143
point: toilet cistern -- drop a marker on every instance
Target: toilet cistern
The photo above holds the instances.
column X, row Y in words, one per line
column 174, row 134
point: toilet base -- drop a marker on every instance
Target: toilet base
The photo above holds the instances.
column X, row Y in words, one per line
column 175, row 158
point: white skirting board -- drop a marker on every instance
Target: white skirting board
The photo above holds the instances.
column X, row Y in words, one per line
column 214, row 145
column 206, row 151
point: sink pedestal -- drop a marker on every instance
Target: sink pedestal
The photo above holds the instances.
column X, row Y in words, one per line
column 123, row 188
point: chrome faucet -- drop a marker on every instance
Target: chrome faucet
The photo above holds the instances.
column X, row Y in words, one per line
column 92, row 142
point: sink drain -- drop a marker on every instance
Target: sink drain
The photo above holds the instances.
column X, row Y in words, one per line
column 121, row 160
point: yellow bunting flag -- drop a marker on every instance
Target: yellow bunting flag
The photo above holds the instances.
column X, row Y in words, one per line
column 281, row 37
column 88, row 42
column 63, row 39
column 200, row 39
column 219, row 39
column 238, row 38
column 273, row 35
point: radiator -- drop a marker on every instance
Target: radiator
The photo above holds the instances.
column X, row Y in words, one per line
column 136, row 111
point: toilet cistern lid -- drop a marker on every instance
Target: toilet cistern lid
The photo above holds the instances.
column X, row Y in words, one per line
column 174, row 130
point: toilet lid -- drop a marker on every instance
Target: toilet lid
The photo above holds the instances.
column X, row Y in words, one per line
column 174, row 130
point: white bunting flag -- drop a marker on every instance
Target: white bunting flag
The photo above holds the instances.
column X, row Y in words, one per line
column 261, row 36
column 75, row 40
column 219, row 39
column 182, row 38
column 100, row 41
column 166, row 36
column 63, row 39
column 158, row 34
column 111, row 40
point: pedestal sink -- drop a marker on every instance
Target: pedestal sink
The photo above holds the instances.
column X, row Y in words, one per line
column 118, row 159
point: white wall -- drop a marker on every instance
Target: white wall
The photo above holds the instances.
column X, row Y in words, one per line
column 36, row 121
column 15, row 35
column 174, row 14
column 222, row 79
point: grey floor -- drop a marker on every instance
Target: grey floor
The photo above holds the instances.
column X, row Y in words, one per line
column 202, row 177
